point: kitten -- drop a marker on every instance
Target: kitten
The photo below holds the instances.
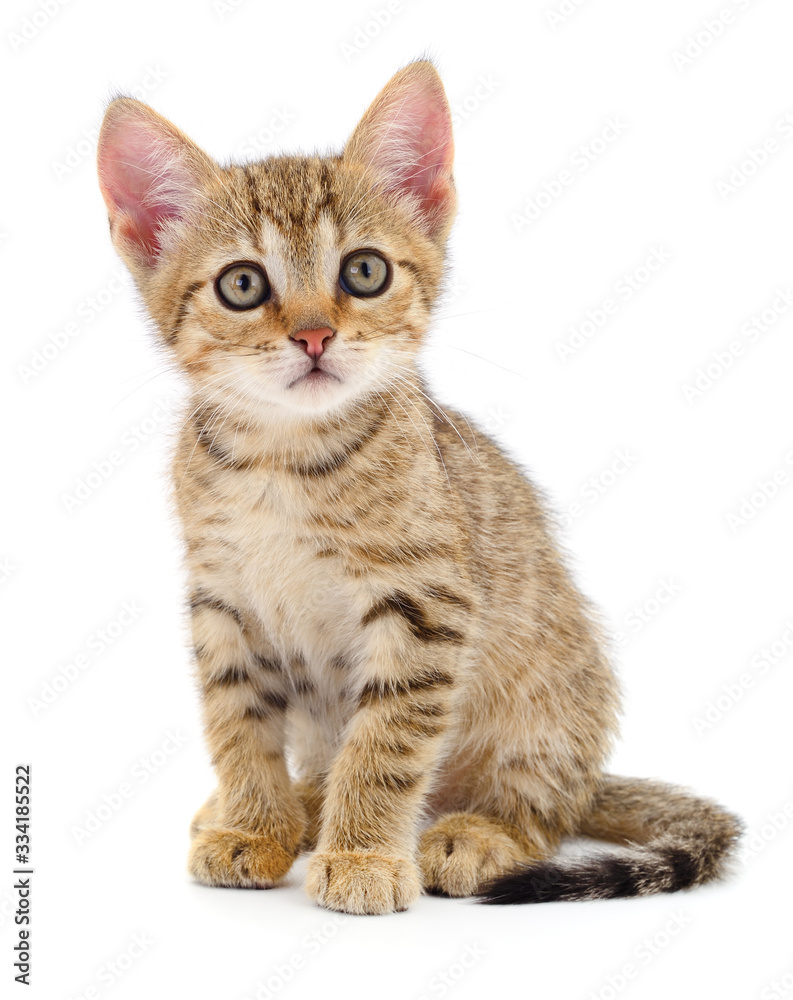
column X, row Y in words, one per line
column 374, row 588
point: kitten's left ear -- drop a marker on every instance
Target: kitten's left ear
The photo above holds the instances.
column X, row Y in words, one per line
column 406, row 136
column 150, row 173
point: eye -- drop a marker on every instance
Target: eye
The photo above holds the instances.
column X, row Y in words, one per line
column 242, row 286
column 364, row 273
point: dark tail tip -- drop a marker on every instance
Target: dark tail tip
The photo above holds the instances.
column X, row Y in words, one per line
column 631, row 871
column 597, row 877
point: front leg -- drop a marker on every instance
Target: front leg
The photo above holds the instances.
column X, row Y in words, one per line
column 365, row 860
column 249, row 832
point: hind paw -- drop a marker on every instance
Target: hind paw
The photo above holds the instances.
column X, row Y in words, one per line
column 461, row 852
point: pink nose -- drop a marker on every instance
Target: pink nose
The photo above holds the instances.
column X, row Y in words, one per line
column 313, row 341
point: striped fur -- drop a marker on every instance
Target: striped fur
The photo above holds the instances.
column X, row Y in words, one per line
column 373, row 586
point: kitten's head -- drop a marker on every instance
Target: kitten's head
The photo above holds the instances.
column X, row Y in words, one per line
column 300, row 283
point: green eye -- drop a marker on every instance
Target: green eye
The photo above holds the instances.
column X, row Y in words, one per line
column 242, row 286
column 364, row 273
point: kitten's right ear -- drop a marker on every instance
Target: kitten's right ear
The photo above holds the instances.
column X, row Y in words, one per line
column 150, row 173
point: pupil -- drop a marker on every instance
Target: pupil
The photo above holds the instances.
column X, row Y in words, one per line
column 244, row 282
column 365, row 269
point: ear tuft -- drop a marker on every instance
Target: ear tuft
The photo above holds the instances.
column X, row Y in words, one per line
column 149, row 173
column 406, row 137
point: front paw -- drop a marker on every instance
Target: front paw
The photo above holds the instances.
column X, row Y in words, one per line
column 221, row 857
column 362, row 882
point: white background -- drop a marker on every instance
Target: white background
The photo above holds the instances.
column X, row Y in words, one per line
column 661, row 524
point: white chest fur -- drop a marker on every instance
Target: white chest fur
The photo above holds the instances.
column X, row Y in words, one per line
column 306, row 603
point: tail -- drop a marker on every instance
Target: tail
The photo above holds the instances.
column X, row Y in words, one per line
column 672, row 840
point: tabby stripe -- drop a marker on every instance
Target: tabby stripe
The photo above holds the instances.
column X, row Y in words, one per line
column 402, row 604
column 429, row 711
column 274, row 701
column 184, row 304
column 415, row 270
column 335, row 462
column 376, row 690
column 418, row 720
column 389, row 781
column 442, row 594
column 400, row 748
column 266, row 705
column 268, row 664
column 265, row 711
column 400, row 556
column 231, row 675
column 325, row 188
column 256, row 205
column 518, row 764
column 419, row 728
column 216, row 453
column 200, row 600
column 304, row 687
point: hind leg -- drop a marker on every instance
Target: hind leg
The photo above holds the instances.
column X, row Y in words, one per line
column 528, row 760
column 505, row 814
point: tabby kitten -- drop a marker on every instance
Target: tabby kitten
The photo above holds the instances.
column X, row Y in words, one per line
column 375, row 593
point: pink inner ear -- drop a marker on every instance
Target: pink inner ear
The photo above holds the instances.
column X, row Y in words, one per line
column 144, row 181
column 407, row 135
column 429, row 154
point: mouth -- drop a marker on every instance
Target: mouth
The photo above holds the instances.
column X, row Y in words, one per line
column 314, row 376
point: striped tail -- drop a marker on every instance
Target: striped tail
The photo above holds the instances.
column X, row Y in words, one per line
column 671, row 840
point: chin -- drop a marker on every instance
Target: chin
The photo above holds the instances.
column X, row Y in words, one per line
column 318, row 394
